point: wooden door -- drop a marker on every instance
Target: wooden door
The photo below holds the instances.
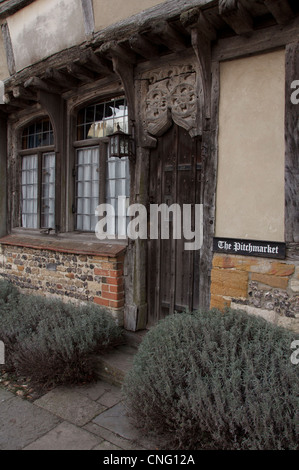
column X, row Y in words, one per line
column 173, row 272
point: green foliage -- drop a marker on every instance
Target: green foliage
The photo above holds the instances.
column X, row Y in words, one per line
column 53, row 342
column 209, row 380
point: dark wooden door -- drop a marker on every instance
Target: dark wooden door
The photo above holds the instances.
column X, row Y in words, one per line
column 173, row 272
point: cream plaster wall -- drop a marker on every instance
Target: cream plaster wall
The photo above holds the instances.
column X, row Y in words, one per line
column 108, row 12
column 3, row 63
column 44, row 28
column 250, row 189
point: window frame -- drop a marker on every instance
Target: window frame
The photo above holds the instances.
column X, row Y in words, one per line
column 39, row 151
column 102, row 144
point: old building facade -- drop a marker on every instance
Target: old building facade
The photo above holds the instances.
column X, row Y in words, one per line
column 208, row 91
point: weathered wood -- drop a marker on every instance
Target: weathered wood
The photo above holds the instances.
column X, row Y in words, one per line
column 143, row 47
column 113, row 49
column 9, row 99
column 260, row 41
column 164, row 33
column 82, row 73
column 21, row 92
column 196, row 18
column 280, row 9
column 37, row 84
column 3, row 175
column 60, row 79
column 209, row 182
column 292, row 145
column 202, row 48
column 12, row 6
column 236, row 16
column 8, row 49
column 92, row 61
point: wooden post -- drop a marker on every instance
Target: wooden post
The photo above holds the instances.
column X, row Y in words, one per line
column 3, row 174
column 292, row 145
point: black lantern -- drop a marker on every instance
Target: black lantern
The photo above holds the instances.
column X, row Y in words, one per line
column 121, row 144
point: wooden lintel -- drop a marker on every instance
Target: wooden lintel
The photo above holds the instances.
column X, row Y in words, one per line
column 37, row 84
column 164, row 33
column 280, row 9
column 236, row 16
column 81, row 73
column 113, row 49
column 60, row 79
column 143, row 47
column 22, row 93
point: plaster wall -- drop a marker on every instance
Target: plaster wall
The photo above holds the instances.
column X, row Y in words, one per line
column 44, row 28
column 250, row 188
column 108, row 12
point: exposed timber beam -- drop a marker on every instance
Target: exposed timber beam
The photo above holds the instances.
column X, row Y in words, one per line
column 164, row 33
column 113, row 49
column 280, row 9
column 37, row 84
column 96, row 63
column 60, row 78
column 143, row 46
column 195, row 18
column 236, row 16
column 22, row 93
column 81, row 73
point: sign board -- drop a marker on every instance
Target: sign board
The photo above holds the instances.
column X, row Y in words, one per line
column 236, row 246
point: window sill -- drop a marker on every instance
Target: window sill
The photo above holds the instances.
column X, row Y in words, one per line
column 74, row 243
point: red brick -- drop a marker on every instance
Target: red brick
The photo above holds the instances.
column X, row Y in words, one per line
column 116, row 304
column 100, row 301
column 112, row 288
column 117, row 281
column 101, row 272
column 113, row 296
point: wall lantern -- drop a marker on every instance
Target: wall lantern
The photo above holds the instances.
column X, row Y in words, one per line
column 121, row 145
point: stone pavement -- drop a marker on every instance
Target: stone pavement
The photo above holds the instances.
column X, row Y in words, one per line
column 83, row 417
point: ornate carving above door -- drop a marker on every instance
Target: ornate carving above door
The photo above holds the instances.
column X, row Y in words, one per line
column 171, row 97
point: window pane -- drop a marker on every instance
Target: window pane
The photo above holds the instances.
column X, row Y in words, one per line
column 117, row 185
column 101, row 119
column 38, row 134
column 87, row 188
column 29, row 191
column 48, row 191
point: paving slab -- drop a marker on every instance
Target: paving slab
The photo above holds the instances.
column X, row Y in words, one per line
column 116, row 420
column 70, row 405
column 102, row 392
column 107, row 446
column 22, row 422
column 5, row 395
column 66, row 436
column 113, row 438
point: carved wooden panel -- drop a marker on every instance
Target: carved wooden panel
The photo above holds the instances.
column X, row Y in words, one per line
column 171, row 97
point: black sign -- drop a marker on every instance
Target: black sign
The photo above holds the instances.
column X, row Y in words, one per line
column 236, row 246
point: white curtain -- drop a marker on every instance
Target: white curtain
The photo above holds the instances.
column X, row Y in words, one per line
column 48, row 191
column 29, row 191
column 88, row 167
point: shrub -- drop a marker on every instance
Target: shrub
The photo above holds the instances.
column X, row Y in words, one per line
column 215, row 381
column 52, row 342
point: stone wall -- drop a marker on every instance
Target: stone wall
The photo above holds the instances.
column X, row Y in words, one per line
column 263, row 287
column 69, row 276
